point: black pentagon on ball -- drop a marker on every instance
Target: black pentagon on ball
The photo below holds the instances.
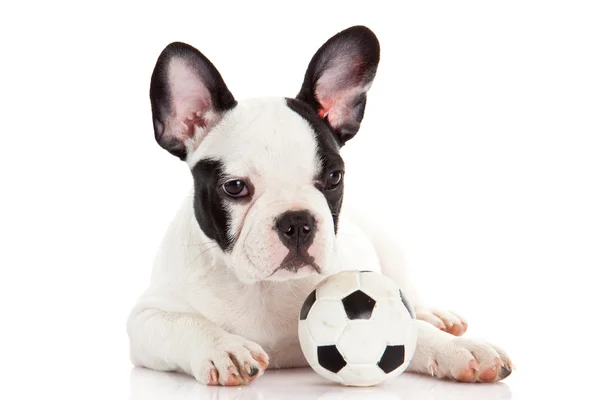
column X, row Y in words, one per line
column 411, row 311
column 308, row 303
column 392, row 358
column 358, row 305
column 330, row 358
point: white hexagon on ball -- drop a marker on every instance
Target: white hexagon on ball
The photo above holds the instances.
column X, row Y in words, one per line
column 357, row 337
column 327, row 321
column 362, row 375
column 361, row 343
column 338, row 286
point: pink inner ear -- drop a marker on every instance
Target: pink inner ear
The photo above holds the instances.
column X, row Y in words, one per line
column 326, row 105
column 338, row 110
column 191, row 99
column 338, row 87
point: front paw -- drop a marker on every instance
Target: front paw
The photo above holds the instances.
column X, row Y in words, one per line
column 230, row 360
column 468, row 360
column 447, row 321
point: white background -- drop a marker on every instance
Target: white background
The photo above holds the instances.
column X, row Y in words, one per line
column 480, row 144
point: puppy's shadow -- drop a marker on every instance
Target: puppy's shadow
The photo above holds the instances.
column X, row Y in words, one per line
column 304, row 384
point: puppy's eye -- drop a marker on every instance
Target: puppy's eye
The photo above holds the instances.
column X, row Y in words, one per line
column 235, row 188
column 334, row 179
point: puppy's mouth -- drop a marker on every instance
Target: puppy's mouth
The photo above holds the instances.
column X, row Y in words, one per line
column 293, row 262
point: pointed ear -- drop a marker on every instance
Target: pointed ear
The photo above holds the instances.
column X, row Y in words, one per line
column 338, row 78
column 188, row 98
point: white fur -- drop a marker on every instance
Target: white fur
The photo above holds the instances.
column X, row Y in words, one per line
column 204, row 306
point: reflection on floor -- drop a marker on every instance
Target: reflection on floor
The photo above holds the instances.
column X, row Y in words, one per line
column 305, row 384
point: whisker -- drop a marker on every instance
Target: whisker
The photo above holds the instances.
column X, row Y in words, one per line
column 292, row 290
column 198, row 244
column 265, row 293
column 201, row 253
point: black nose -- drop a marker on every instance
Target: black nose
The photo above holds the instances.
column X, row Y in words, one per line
column 296, row 229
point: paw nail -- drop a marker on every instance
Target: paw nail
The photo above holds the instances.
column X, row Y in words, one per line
column 504, row 371
column 251, row 370
column 432, row 368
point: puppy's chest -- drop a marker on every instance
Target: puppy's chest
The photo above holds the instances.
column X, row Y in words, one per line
column 266, row 312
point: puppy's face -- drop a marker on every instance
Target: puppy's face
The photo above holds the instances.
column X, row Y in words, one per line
column 268, row 175
column 268, row 189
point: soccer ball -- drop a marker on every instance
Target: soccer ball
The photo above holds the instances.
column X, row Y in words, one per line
column 356, row 328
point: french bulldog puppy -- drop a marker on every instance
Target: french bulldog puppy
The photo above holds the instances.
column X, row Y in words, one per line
column 264, row 224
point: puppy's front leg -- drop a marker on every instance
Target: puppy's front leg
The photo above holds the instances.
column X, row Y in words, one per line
column 443, row 355
column 169, row 341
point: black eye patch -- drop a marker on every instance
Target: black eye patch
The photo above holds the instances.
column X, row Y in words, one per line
column 210, row 202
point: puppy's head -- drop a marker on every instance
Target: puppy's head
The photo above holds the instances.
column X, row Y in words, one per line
column 268, row 174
